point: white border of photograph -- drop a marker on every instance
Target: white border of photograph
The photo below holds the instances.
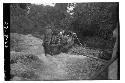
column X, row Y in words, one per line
column 122, row 38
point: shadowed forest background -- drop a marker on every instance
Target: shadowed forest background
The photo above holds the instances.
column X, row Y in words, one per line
column 92, row 22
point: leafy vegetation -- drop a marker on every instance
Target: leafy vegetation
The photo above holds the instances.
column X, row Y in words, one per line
column 92, row 22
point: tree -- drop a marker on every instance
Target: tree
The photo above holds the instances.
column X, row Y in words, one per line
column 92, row 17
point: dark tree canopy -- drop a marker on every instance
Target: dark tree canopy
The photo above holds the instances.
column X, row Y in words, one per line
column 87, row 19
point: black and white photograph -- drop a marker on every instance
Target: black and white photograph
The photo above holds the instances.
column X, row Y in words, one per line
column 61, row 41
